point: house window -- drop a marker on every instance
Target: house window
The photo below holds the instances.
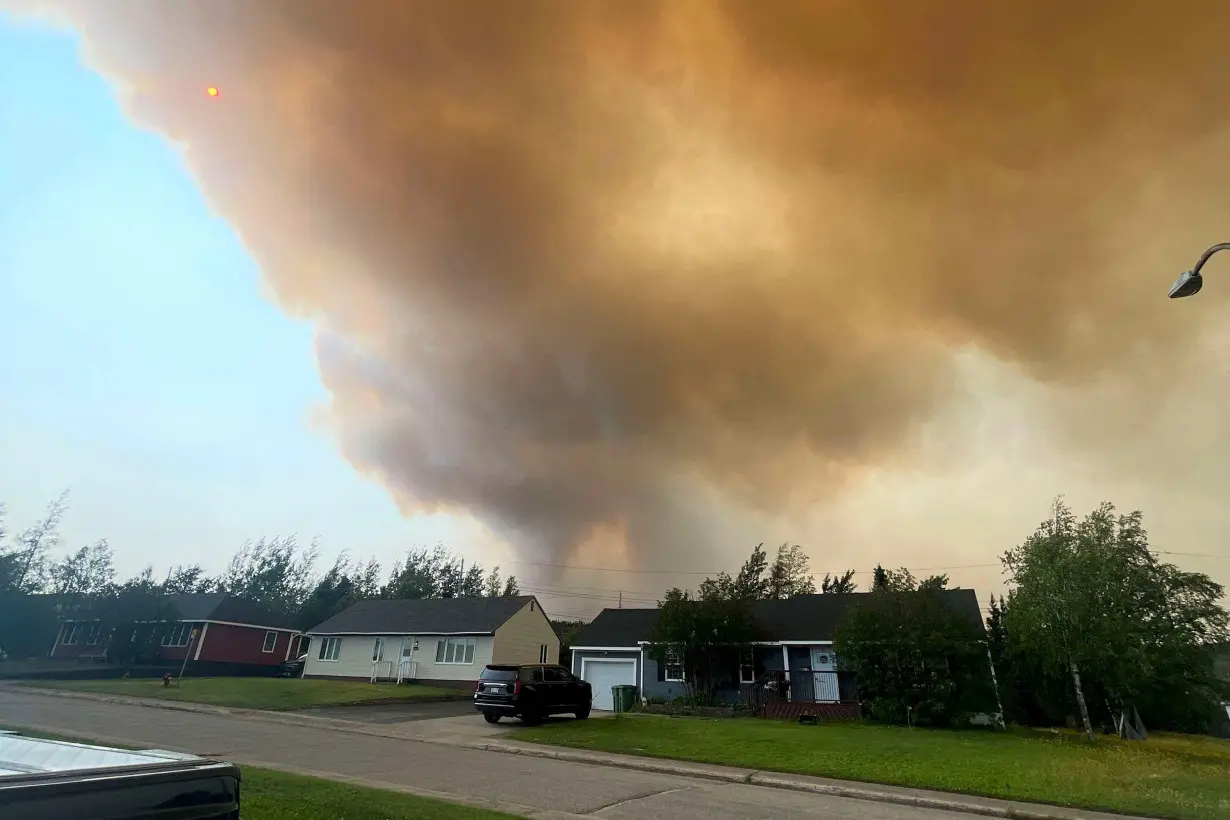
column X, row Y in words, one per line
column 177, row 635
column 542, row 653
column 673, row 664
column 271, row 641
column 92, row 633
column 378, row 651
column 330, row 649
column 72, row 634
column 455, row 650
column 747, row 667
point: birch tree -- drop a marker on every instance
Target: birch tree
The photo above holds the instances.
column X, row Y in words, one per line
column 1091, row 599
column 1050, row 610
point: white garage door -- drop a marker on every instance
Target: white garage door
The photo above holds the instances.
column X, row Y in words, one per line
column 603, row 673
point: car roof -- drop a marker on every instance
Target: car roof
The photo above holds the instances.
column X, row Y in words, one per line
column 511, row 666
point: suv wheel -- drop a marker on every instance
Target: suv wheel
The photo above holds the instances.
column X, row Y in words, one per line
column 491, row 717
column 582, row 713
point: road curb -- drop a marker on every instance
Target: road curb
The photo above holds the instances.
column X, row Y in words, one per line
column 770, row 780
column 290, row 717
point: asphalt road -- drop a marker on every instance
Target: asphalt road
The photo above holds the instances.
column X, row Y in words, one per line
column 378, row 713
column 533, row 783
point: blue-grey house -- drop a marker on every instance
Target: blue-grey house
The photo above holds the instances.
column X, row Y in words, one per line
column 796, row 639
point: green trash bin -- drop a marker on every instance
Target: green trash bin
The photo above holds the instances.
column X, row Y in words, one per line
column 624, row 698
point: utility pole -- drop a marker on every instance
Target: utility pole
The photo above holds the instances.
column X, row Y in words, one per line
column 621, row 599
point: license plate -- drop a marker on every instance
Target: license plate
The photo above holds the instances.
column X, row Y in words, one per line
column 493, row 689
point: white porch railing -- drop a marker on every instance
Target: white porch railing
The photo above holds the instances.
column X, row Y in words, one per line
column 407, row 670
column 381, row 666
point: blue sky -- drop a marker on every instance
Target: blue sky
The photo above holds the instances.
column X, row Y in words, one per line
column 139, row 363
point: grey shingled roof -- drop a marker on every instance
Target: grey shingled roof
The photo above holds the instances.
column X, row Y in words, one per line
column 802, row 618
column 223, row 607
column 435, row 616
column 218, row 606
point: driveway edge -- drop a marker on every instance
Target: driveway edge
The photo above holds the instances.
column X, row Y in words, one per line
column 986, row 807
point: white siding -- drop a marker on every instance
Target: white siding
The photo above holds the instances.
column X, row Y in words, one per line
column 428, row 669
column 355, row 658
column 520, row 638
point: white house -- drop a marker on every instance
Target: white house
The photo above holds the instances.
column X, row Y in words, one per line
column 444, row 641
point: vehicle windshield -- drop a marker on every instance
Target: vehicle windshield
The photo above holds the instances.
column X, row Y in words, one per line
column 498, row 674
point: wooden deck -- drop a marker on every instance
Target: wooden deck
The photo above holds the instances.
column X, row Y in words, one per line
column 794, row 709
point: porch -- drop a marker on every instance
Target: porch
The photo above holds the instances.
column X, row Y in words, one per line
column 803, row 673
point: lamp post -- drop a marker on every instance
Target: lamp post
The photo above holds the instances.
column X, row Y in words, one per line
column 1189, row 282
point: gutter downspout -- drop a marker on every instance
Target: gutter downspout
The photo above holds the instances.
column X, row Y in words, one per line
column 59, row 637
column 200, row 641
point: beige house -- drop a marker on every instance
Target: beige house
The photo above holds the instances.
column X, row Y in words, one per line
column 445, row 641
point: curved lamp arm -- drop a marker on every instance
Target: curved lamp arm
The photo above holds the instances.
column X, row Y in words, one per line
column 1220, row 246
column 1190, row 282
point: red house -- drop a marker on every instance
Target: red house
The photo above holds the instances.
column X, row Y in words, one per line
column 213, row 629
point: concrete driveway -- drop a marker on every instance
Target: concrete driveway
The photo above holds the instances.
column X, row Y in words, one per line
column 449, row 722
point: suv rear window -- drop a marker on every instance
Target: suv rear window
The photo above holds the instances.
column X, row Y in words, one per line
column 498, row 674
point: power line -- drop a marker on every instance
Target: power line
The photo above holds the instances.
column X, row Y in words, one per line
column 1195, row 554
column 712, row 573
column 611, row 569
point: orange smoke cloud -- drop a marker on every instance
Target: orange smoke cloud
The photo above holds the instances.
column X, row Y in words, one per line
column 568, row 257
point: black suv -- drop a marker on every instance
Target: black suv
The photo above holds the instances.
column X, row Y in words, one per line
column 531, row 692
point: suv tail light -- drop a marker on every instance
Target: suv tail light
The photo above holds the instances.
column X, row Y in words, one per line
column 478, row 684
column 517, row 686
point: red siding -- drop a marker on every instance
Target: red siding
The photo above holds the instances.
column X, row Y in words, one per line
column 242, row 644
column 219, row 642
column 70, row 651
column 67, row 653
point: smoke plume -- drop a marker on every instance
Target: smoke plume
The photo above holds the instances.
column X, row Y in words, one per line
column 572, row 262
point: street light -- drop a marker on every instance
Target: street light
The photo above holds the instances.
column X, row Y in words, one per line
column 1189, row 282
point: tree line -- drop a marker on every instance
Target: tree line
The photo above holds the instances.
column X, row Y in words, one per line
column 38, row 576
column 1096, row 631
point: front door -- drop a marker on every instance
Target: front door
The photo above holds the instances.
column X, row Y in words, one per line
column 407, row 656
column 824, row 674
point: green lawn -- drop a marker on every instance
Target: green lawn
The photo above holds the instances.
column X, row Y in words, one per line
column 270, row 795
column 1174, row 776
column 255, row 693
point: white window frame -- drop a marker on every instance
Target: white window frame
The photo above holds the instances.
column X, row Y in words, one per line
column 269, row 648
column 72, row 634
column 542, row 653
column 179, row 636
column 378, row 651
column 330, row 649
column 749, row 666
column 667, row 663
column 447, row 648
column 93, row 634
